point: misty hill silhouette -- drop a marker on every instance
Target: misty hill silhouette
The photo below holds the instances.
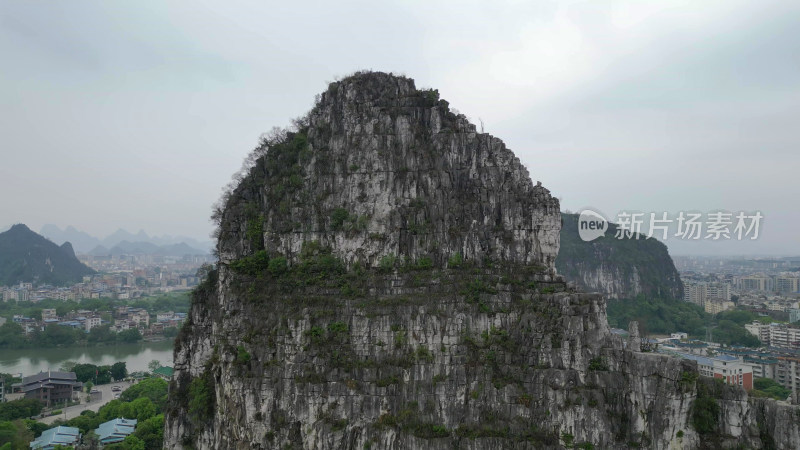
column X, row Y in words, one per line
column 26, row 256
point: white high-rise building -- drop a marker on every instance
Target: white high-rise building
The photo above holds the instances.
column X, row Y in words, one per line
column 756, row 283
column 695, row 293
column 720, row 291
column 787, row 284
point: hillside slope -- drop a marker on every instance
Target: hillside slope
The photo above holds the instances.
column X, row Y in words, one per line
column 618, row 268
column 28, row 257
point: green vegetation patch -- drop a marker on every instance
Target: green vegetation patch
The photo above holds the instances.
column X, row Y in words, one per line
column 202, row 399
column 407, row 420
column 766, row 387
column 660, row 316
column 705, row 409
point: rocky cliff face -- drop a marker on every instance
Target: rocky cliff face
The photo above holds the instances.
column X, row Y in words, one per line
column 386, row 280
column 617, row 268
column 379, row 168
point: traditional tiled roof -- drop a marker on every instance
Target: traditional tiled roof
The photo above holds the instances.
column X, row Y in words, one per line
column 47, row 380
column 164, row 371
column 49, row 376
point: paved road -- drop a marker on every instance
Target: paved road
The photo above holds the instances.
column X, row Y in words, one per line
column 75, row 411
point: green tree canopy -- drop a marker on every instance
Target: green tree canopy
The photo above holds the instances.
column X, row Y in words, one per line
column 20, row 409
column 119, row 370
column 153, row 388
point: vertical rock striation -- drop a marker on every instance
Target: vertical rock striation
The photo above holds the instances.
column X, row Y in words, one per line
column 387, row 280
column 380, row 168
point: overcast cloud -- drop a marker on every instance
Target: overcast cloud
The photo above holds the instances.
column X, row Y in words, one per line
column 135, row 114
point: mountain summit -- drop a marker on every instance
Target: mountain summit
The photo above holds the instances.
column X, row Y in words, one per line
column 380, row 168
column 28, row 257
column 386, row 279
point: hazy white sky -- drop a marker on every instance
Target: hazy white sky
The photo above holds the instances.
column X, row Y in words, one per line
column 135, row 114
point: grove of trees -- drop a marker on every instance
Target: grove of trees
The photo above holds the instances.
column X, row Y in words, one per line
column 659, row 316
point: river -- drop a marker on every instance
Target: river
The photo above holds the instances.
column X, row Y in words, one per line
column 32, row 360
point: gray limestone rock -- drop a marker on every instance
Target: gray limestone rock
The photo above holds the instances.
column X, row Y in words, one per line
column 386, row 280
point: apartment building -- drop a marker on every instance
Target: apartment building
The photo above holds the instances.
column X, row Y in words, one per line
column 775, row 334
column 720, row 291
column 756, row 283
column 91, row 322
column 728, row 368
column 787, row 284
column 695, row 293
column 717, row 305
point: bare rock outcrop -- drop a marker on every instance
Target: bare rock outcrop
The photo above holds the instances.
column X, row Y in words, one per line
column 386, row 280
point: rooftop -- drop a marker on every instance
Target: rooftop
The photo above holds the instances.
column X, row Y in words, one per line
column 700, row 359
column 57, row 436
column 115, row 430
column 165, row 371
column 50, row 376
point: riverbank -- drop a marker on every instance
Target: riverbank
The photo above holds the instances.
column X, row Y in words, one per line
column 33, row 360
column 93, row 345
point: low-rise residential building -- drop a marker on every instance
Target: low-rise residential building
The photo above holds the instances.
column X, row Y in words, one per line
column 728, row 368
column 778, row 364
column 92, row 322
column 72, row 323
column 115, row 430
column 140, row 317
column 28, row 324
column 57, row 437
column 122, row 325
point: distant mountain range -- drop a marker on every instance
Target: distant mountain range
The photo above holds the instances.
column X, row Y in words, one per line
column 26, row 256
column 142, row 248
column 123, row 241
